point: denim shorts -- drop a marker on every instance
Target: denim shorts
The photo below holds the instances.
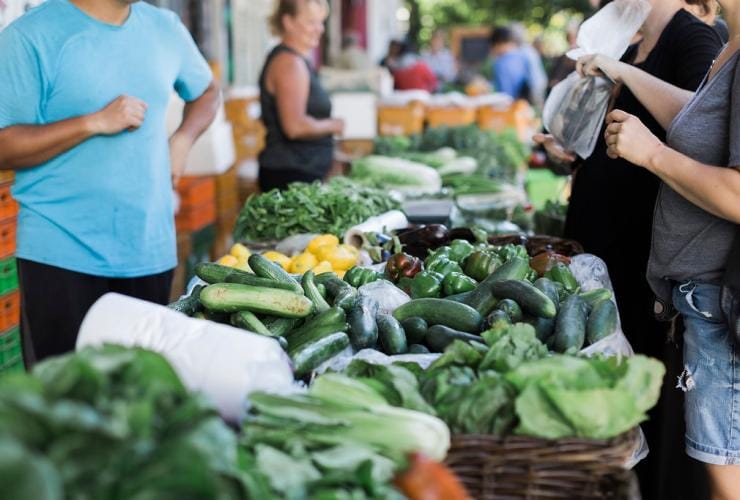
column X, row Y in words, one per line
column 711, row 379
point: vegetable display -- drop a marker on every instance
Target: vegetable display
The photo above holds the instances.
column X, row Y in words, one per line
column 317, row 208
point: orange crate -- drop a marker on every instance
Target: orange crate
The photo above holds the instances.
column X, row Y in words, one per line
column 517, row 117
column 249, row 141
column 242, row 112
column 8, row 229
column 10, row 310
column 227, row 191
column 8, row 206
column 196, row 191
column 193, row 218
column 450, row 117
column 406, row 120
column 7, row 176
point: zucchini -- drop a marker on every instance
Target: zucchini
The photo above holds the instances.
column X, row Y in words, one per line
column 543, row 327
column 248, row 321
column 602, row 321
column 306, row 358
column 531, row 300
column 418, row 349
column 231, row 297
column 439, row 337
column 267, row 269
column 309, row 288
column 331, row 321
column 460, row 297
column 363, row 328
column 515, row 269
column 593, row 297
column 441, row 312
column 189, row 305
column 512, row 310
column 570, row 326
column 415, row 329
column 280, row 327
column 391, row 335
column 548, row 287
column 242, row 278
column 213, row 273
column 216, row 273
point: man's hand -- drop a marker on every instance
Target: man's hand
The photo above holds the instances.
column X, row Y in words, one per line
column 124, row 113
column 554, row 149
column 180, row 146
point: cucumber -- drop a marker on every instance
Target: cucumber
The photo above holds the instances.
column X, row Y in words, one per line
column 248, row 321
column 231, row 297
column 415, row 329
column 570, row 326
column 309, row 288
column 531, row 300
column 391, row 334
column 343, row 294
column 216, row 273
column 439, row 337
column 498, row 318
column 512, row 309
column 331, row 321
column 516, row 269
column 189, row 305
column 281, row 326
column 460, row 297
column 592, row 297
column 418, row 349
column 267, row 269
column 242, row 278
column 310, row 356
column 213, row 273
column 363, row 329
column 442, row 312
column 547, row 287
column 602, row 321
column 543, row 327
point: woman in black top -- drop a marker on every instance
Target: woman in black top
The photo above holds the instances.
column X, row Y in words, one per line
column 296, row 110
column 612, row 202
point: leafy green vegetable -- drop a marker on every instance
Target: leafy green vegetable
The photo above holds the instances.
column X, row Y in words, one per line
column 458, row 353
column 332, row 208
column 511, row 347
column 396, row 173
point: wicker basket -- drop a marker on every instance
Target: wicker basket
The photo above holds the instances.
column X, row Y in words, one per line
column 538, row 244
column 519, row 468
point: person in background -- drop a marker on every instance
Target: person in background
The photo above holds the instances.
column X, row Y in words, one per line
column 537, row 75
column 564, row 65
column 694, row 266
column 412, row 73
column 353, row 56
column 440, row 59
column 395, row 47
column 94, row 168
column 296, row 109
column 511, row 74
column 610, row 214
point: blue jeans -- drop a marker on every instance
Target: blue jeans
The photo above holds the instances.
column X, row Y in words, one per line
column 711, row 379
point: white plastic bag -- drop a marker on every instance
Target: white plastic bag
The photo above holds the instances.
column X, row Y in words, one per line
column 575, row 110
column 387, row 295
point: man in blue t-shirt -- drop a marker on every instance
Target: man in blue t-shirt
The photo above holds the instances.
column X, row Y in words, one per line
column 84, row 88
column 511, row 72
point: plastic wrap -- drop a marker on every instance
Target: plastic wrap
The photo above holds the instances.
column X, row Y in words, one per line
column 387, row 295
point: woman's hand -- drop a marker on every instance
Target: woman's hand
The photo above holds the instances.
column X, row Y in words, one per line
column 627, row 137
column 599, row 65
column 554, row 149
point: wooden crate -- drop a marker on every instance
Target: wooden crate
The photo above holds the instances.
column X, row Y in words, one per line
column 405, row 120
column 450, row 117
column 518, row 117
column 227, row 192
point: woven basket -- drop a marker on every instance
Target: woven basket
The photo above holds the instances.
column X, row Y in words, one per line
column 520, row 468
column 538, row 244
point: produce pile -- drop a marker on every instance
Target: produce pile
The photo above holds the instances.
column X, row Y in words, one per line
column 551, row 219
column 117, row 423
column 333, row 208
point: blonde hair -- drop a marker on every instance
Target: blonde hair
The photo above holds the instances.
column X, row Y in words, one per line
column 290, row 8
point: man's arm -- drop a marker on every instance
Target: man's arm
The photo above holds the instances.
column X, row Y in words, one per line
column 197, row 117
column 25, row 146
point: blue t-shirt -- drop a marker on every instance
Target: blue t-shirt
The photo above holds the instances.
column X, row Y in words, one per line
column 105, row 207
column 511, row 74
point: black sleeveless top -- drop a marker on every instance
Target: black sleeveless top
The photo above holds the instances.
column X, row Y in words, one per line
column 310, row 156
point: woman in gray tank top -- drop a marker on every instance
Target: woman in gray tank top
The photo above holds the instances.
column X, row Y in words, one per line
column 696, row 221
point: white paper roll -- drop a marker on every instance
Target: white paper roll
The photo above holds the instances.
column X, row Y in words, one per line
column 225, row 364
column 388, row 221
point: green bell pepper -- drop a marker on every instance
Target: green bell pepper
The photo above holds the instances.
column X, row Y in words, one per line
column 459, row 250
column 359, row 276
column 445, row 266
column 440, row 253
column 532, row 276
column 508, row 252
column 560, row 273
column 425, row 285
column 480, row 265
column 455, row 283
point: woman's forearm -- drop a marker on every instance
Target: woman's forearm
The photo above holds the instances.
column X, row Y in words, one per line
column 714, row 189
column 306, row 128
column 663, row 100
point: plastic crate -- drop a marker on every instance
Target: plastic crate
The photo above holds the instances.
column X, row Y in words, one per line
column 195, row 218
column 10, row 310
column 8, row 206
column 11, row 353
column 450, row 117
column 8, row 275
column 227, row 192
column 7, row 237
column 196, row 191
column 406, row 120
